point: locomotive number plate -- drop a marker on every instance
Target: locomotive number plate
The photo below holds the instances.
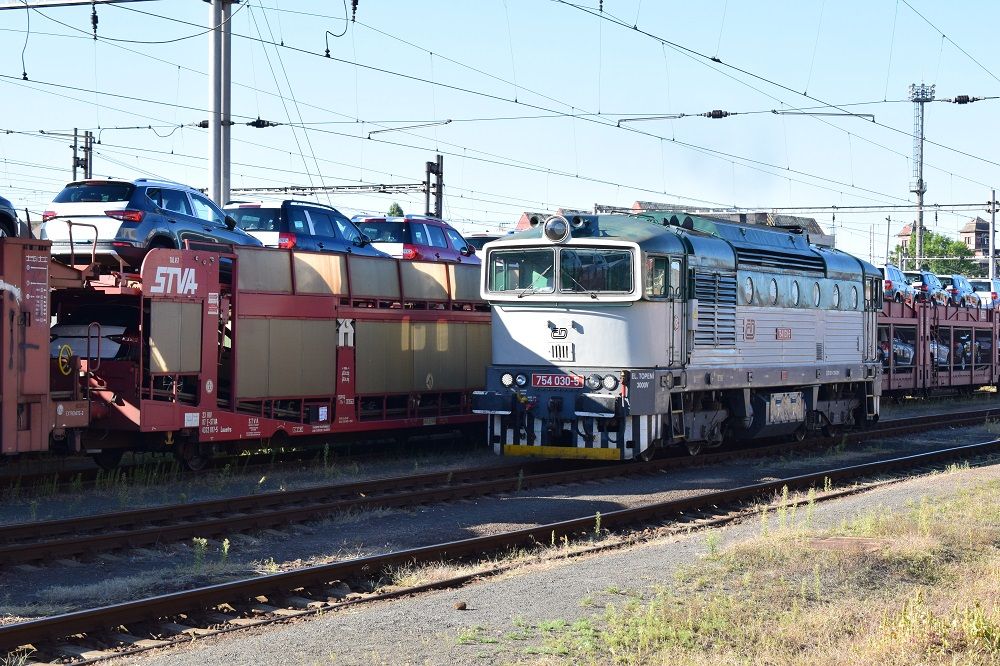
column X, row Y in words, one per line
column 556, row 381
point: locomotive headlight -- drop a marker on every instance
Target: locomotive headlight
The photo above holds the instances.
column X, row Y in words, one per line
column 521, row 380
column 556, row 229
column 610, row 382
column 594, row 382
column 507, row 379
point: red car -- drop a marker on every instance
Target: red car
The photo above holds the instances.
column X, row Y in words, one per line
column 418, row 238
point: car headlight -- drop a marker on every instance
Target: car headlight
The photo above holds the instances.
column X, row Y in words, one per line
column 521, row 380
column 594, row 382
column 507, row 379
column 610, row 382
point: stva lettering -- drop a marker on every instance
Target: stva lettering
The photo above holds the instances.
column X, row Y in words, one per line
column 174, row 280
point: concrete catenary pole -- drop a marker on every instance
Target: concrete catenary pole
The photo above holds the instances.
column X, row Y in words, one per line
column 215, row 101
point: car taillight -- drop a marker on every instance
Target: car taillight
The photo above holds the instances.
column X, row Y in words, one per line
column 286, row 240
column 126, row 215
column 48, row 215
column 888, row 285
column 410, row 252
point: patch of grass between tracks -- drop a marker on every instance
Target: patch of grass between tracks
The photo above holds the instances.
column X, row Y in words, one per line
column 921, row 585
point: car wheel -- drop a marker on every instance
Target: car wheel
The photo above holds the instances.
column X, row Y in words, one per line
column 899, row 297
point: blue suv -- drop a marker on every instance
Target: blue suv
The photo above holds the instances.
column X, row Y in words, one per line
column 122, row 220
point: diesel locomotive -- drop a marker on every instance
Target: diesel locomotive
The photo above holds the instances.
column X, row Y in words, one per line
column 616, row 335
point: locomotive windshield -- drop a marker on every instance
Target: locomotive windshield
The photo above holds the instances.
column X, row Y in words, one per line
column 573, row 270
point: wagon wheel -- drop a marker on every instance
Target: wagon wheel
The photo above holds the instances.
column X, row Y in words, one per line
column 800, row 434
column 694, row 448
column 192, row 457
column 108, row 459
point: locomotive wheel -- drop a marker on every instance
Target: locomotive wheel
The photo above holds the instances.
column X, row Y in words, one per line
column 108, row 459
column 694, row 448
column 800, row 434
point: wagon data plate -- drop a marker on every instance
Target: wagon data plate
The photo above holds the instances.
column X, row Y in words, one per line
column 556, row 381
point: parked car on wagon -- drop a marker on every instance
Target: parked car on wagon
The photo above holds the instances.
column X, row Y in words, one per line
column 107, row 331
column 417, row 237
column 903, row 353
column 897, row 287
column 302, row 225
column 987, row 290
column 927, row 287
column 10, row 223
column 130, row 217
column 960, row 292
column 478, row 240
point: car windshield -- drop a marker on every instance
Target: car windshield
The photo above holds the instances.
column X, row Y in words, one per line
column 945, row 280
column 255, row 219
column 384, row 231
column 95, row 192
column 479, row 241
column 581, row 271
column 914, row 278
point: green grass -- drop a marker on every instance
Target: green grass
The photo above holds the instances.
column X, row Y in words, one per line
column 919, row 585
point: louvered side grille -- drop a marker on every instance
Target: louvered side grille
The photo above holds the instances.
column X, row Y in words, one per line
column 767, row 258
column 716, row 296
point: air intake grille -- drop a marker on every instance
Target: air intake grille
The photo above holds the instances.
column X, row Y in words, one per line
column 716, row 325
column 767, row 258
column 561, row 352
column 820, row 352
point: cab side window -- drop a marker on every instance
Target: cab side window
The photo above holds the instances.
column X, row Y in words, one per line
column 436, row 236
column 656, row 277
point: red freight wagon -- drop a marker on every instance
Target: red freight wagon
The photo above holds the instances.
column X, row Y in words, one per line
column 926, row 347
column 208, row 349
column 33, row 417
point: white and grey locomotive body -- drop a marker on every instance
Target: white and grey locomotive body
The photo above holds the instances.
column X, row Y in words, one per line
column 616, row 335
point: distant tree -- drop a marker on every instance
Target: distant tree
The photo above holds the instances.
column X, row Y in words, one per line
column 395, row 210
column 937, row 245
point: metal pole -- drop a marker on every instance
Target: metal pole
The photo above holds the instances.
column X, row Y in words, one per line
column 214, row 101
column 75, row 146
column 888, row 230
column 993, row 232
column 920, row 193
column 226, row 90
column 439, row 193
column 88, row 152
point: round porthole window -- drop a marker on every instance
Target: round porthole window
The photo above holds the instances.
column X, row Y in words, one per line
column 836, row 295
column 854, row 298
column 772, row 291
column 795, row 292
column 748, row 290
column 816, row 294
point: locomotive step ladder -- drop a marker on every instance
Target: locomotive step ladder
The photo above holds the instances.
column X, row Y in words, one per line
column 677, row 416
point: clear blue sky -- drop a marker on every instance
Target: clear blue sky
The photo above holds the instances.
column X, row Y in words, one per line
column 556, row 60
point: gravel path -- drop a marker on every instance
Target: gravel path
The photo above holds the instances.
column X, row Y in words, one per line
column 428, row 630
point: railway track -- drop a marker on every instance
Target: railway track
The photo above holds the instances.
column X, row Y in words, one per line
column 49, row 541
column 157, row 621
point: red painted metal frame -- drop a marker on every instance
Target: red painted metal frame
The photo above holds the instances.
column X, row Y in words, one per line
column 193, row 276
column 919, row 324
